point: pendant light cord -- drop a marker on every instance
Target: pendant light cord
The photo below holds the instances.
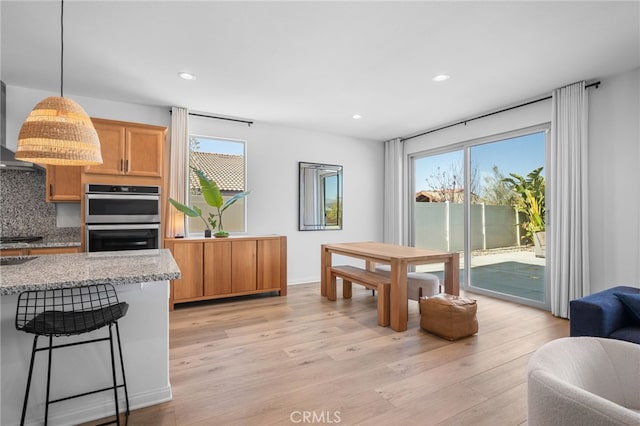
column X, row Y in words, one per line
column 61, row 47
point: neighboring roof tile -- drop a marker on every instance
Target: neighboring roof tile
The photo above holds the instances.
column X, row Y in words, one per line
column 224, row 169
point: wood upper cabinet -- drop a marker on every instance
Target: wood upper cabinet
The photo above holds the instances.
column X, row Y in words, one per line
column 129, row 149
column 64, row 183
column 143, row 153
column 112, row 142
column 216, row 268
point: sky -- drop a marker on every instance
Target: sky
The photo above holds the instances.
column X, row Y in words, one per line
column 220, row 146
column 516, row 155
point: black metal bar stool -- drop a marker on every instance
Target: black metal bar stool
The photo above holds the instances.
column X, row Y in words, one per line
column 67, row 312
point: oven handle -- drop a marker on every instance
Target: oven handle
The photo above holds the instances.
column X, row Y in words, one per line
column 135, row 243
column 111, row 227
column 122, row 197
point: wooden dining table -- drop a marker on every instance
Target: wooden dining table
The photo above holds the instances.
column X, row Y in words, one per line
column 399, row 258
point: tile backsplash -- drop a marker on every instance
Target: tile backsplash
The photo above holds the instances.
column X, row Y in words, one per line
column 23, row 209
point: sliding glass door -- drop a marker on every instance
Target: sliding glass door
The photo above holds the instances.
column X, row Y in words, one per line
column 439, row 217
column 507, row 219
column 485, row 199
column 438, row 208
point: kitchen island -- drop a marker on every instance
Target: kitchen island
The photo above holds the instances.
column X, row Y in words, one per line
column 141, row 278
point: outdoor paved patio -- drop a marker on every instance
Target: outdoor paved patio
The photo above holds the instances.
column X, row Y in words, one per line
column 512, row 271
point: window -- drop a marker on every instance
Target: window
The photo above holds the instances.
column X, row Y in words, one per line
column 224, row 162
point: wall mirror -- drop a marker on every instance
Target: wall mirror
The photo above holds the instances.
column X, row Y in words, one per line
column 320, row 197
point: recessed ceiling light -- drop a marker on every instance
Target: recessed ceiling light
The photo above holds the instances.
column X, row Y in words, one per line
column 357, row 116
column 186, row 76
column 441, row 77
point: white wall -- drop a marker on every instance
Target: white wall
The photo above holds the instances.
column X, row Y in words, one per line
column 273, row 153
column 519, row 118
column 614, row 158
column 614, row 161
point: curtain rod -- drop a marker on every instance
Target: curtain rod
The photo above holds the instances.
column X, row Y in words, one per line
column 595, row 83
column 237, row 120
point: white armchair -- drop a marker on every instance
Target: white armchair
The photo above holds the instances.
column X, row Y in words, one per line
column 584, row 381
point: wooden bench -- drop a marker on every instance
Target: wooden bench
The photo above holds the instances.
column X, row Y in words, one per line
column 368, row 279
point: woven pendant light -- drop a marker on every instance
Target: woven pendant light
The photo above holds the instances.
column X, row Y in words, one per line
column 58, row 130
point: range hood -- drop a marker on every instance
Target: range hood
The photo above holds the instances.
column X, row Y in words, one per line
column 7, row 157
column 8, row 161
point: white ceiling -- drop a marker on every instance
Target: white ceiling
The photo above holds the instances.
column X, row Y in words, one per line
column 315, row 64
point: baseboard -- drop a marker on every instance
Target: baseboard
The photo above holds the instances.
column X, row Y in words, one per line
column 95, row 410
column 309, row 280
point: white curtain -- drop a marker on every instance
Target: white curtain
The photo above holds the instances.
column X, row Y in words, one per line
column 393, row 193
column 568, row 213
column 178, row 166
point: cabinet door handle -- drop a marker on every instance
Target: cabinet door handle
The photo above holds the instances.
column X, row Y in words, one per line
column 126, row 166
column 121, row 165
column 51, row 189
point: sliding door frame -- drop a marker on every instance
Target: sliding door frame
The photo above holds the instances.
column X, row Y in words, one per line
column 466, row 146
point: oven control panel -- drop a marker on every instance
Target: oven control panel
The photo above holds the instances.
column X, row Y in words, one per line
column 92, row 188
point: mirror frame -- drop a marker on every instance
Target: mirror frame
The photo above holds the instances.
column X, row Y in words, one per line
column 311, row 202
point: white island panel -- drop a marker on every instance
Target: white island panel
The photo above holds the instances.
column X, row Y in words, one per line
column 145, row 344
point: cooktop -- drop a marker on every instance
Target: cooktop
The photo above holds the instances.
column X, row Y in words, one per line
column 19, row 239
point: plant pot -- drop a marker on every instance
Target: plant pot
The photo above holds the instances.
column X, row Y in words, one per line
column 539, row 243
column 221, row 234
column 207, row 233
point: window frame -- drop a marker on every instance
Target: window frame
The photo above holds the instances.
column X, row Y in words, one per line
column 225, row 194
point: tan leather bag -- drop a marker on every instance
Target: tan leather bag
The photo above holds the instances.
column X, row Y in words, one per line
column 451, row 317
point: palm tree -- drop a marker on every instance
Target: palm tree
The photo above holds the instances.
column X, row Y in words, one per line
column 530, row 199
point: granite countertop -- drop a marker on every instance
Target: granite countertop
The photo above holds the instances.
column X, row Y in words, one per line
column 79, row 269
column 49, row 241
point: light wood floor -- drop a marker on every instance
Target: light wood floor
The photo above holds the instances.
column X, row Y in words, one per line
column 272, row 360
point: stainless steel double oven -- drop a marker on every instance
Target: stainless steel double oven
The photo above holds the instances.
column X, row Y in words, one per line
column 119, row 217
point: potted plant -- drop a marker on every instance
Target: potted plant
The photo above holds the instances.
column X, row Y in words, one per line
column 530, row 201
column 213, row 197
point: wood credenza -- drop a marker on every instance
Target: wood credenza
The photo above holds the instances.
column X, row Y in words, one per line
column 213, row 268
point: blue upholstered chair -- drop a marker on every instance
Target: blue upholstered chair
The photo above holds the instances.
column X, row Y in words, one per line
column 602, row 314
